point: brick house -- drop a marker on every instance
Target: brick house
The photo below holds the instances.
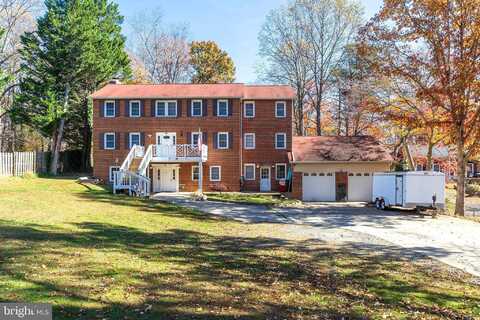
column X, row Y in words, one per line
column 178, row 137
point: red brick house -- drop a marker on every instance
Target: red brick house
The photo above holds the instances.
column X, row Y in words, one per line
column 178, row 137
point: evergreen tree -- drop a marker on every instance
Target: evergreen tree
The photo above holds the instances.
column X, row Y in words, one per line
column 77, row 47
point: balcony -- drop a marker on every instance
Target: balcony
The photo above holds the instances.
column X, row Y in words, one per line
column 179, row 153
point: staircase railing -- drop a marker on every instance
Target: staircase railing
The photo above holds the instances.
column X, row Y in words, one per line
column 135, row 152
column 136, row 184
column 147, row 157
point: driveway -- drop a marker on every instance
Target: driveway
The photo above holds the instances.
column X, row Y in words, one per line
column 453, row 241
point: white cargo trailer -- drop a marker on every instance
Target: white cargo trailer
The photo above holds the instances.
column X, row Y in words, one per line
column 409, row 189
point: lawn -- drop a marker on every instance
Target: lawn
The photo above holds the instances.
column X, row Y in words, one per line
column 98, row 256
column 247, row 198
column 470, row 202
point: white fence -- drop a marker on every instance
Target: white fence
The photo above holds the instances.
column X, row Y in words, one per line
column 20, row 163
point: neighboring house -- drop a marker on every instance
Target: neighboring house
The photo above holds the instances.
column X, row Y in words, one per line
column 227, row 137
column 336, row 168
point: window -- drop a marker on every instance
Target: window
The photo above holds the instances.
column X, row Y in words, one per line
column 166, row 109
column 134, row 109
column 195, row 137
column 358, row 175
column 280, row 140
column 321, row 174
column 249, row 109
column 134, row 139
column 215, row 173
column 196, row 108
column 419, row 167
column 222, row 108
column 222, row 140
column 195, row 173
column 314, row 174
column 112, row 171
column 109, row 109
column 109, row 141
column 329, row 174
column 366, row 174
column 249, row 140
column 249, row 171
column 305, row 174
column 280, row 109
column 436, row 167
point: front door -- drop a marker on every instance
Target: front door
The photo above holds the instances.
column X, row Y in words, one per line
column 399, row 190
column 341, row 186
column 167, row 138
column 166, row 145
column 165, row 179
column 265, row 179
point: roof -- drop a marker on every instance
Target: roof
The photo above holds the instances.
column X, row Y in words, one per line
column 224, row 90
column 339, row 149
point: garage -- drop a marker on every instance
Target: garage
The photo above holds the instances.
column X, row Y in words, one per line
column 333, row 168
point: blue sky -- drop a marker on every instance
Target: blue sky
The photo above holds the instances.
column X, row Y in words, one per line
column 233, row 24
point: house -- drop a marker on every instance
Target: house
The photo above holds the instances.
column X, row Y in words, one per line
column 185, row 137
column 336, row 168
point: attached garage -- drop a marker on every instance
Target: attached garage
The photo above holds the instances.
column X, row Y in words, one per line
column 336, row 168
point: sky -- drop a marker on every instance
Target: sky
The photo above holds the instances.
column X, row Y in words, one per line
column 232, row 24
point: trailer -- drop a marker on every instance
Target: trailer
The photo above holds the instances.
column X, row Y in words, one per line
column 409, row 189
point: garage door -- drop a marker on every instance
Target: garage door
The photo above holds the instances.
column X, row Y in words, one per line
column 318, row 187
column 360, row 187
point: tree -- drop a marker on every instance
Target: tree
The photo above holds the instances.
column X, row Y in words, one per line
column 163, row 53
column 434, row 46
column 76, row 47
column 210, row 63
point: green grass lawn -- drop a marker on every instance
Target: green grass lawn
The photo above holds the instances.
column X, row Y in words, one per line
column 98, row 256
column 238, row 197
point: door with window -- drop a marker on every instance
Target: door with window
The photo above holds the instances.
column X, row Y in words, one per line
column 166, row 145
column 265, row 183
column 165, row 179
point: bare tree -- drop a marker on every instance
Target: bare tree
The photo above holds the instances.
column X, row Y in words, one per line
column 164, row 53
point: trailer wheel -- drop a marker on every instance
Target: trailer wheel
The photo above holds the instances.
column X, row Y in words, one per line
column 382, row 204
column 377, row 204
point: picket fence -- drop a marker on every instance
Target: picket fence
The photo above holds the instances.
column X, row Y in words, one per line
column 21, row 163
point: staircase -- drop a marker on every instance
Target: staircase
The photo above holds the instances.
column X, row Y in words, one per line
column 128, row 177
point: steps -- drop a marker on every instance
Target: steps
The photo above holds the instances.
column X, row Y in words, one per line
column 135, row 164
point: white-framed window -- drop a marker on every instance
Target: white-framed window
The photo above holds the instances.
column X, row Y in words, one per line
column 196, row 108
column 134, row 138
column 222, row 140
column 280, row 140
column 195, row 137
column 249, row 140
column 215, row 173
column 165, row 108
column 111, row 171
column 249, row 109
column 249, row 171
column 280, row 171
column 134, row 107
column 109, row 109
column 109, row 140
column 280, row 109
column 195, row 173
column 222, row 108
column 419, row 167
column 436, row 167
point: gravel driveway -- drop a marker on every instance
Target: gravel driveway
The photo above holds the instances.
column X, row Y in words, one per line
column 453, row 241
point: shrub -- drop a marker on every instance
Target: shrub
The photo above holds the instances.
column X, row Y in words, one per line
column 472, row 189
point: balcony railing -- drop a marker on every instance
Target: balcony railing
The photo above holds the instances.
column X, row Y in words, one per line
column 179, row 153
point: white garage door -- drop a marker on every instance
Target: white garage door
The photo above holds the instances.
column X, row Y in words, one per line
column 360, row 188
column 318, row 188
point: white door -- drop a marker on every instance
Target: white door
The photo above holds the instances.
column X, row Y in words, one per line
column 360, row 187
column 265, row 179
column 165, row 179
column 399, row 190
column 166, row 148
column 166, row 138
column 318, row 187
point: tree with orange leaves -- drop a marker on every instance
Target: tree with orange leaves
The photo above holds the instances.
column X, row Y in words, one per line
column 434, row 46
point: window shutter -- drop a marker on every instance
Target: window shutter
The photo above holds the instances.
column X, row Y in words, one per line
column 117, row 140
column 189, row 107
column 142, row 108
column 117, row 108
column 189, row 137
column 127, row 140
column 204, row 138
column 127, row 108
column 102, row 107
column 179, row 108
column 204, row 107
column 102, row 144
column 215, row 138
column 152, row 108
column 230, row 107
column 142, row 138
column 214, row 106
column 230, row 140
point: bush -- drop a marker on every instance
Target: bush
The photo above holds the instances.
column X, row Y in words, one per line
column 472, row 189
